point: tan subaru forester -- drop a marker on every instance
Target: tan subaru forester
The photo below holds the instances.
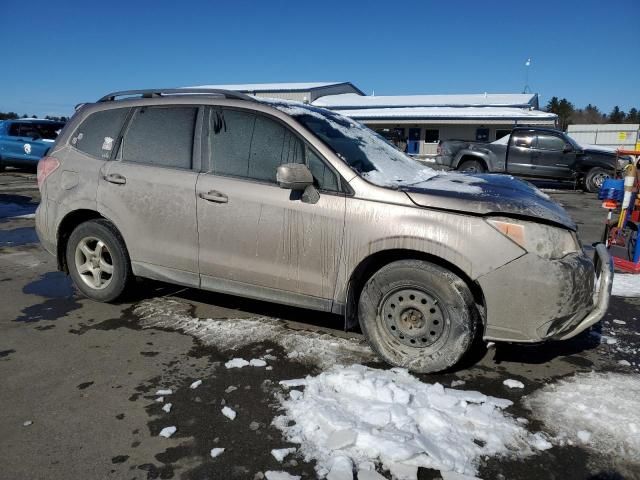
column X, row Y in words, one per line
column 292, row 204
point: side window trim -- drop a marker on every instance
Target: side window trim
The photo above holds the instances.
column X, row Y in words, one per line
column 208, row 157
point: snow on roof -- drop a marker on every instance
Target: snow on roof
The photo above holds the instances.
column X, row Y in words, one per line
column 350, row 100
column 447, row 112
column 271, row 87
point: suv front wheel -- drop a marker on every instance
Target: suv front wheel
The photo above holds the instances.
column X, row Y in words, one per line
column 418, row 315
column 98, row 261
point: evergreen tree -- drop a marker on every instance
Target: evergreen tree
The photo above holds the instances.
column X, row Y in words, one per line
column 616, row 115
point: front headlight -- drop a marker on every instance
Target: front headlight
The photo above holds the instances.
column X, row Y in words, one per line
column 543, row 240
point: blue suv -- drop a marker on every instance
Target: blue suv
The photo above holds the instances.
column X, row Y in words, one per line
column 25, row 141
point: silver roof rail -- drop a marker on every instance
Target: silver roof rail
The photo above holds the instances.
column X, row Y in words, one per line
column 159, row 92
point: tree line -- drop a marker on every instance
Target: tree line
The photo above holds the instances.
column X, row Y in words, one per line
column 568, row 114
column 14, row 115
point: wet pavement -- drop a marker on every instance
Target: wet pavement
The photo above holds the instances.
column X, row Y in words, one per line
column 85, row 374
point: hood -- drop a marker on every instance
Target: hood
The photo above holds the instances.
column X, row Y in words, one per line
column 488, row 194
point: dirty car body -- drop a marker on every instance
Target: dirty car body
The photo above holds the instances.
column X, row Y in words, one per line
column 297, row 205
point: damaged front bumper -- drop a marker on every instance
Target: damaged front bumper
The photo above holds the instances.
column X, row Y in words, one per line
column 601, row 296
column 532, row 299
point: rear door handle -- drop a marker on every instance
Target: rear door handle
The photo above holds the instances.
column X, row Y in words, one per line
column 115, row 178
column 214, row 196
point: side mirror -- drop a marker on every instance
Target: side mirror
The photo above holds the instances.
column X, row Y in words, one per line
column 567, row 149
column 294, row 176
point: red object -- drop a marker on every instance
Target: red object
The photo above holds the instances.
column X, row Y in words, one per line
column 46, row 166
column 626, row 265
column 610, row 204
column 635, row 216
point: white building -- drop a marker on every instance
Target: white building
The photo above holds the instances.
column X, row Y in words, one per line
column 614, row 135
column 420, row 121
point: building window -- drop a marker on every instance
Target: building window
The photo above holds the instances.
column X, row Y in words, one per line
column 431, row 135
column 502, row 133
column 482, row 135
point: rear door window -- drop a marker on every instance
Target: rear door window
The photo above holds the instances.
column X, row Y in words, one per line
column 97, row 135
column 161, row 136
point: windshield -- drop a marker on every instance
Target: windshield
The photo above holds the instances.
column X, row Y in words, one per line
column 366, row 152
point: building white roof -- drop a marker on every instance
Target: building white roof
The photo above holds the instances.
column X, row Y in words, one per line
column 272, row 87
column 350, row 100
column 446, row 113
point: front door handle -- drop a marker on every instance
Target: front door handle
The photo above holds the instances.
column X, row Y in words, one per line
column 214, row 196
column 115, row 178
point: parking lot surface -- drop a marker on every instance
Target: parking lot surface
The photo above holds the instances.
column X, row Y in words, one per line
column 81, row 380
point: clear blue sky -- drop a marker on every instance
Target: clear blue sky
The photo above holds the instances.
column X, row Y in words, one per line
column 59, row 53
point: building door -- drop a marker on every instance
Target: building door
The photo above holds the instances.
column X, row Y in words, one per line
column 413, row 143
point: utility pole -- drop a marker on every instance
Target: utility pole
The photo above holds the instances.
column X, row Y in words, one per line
column 527, row 64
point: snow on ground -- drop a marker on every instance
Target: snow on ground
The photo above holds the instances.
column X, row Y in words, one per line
column 511, row 383
column 599, row 410
column 167, row 407
column 166, row 432
column 315, row 348
column 280, row 453
column 626, row 285
column 277, row 475
column 230, row 413
column 215, row 452
column 406, row 423
column 195, row 384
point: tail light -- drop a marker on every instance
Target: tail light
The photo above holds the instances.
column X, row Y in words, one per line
column 46, row 166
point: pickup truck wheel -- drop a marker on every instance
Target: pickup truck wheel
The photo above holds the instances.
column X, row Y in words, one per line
column 472, row 166
column 418, row 315
column 98, row 261
column 595, row 178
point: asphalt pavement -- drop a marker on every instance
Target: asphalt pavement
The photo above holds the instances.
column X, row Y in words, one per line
column 79, row 378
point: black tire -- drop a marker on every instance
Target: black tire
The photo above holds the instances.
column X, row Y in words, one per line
column 445, row 306
column 472, row 166
column 594, row 178
column 115, row 254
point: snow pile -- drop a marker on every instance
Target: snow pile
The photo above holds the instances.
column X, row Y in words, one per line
column 216, row 452
column 389, row 416
column 626, row 285
column 598, row 409
column 316, row 348
column 511, row 383
column 166, row 432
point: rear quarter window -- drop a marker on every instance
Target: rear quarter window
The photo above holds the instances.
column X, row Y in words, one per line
column 97, row 134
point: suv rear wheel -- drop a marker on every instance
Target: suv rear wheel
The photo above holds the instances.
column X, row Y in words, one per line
column 418, row 315
column 98, row 261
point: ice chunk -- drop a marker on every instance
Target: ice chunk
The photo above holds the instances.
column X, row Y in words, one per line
column 280, row 453
column 229, row 413
column 27, row 423
column 166, row 391
column 166, row 432
column 160, row 399
column 341, row 438
column 256, row 362
column 236, row 363
column 369, row 475
column 619, row 322
column 195, row 384
column 295, row 394
column 215, row 452
column 230, row 389
column 400, row 471
column 511, row 383
column 341, row 468
column 167, row 407
column 457, row 383
column 391, row 417
column 624, row 363
column 278, row 475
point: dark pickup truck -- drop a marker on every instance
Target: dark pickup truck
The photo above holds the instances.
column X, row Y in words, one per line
column 544, row 153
